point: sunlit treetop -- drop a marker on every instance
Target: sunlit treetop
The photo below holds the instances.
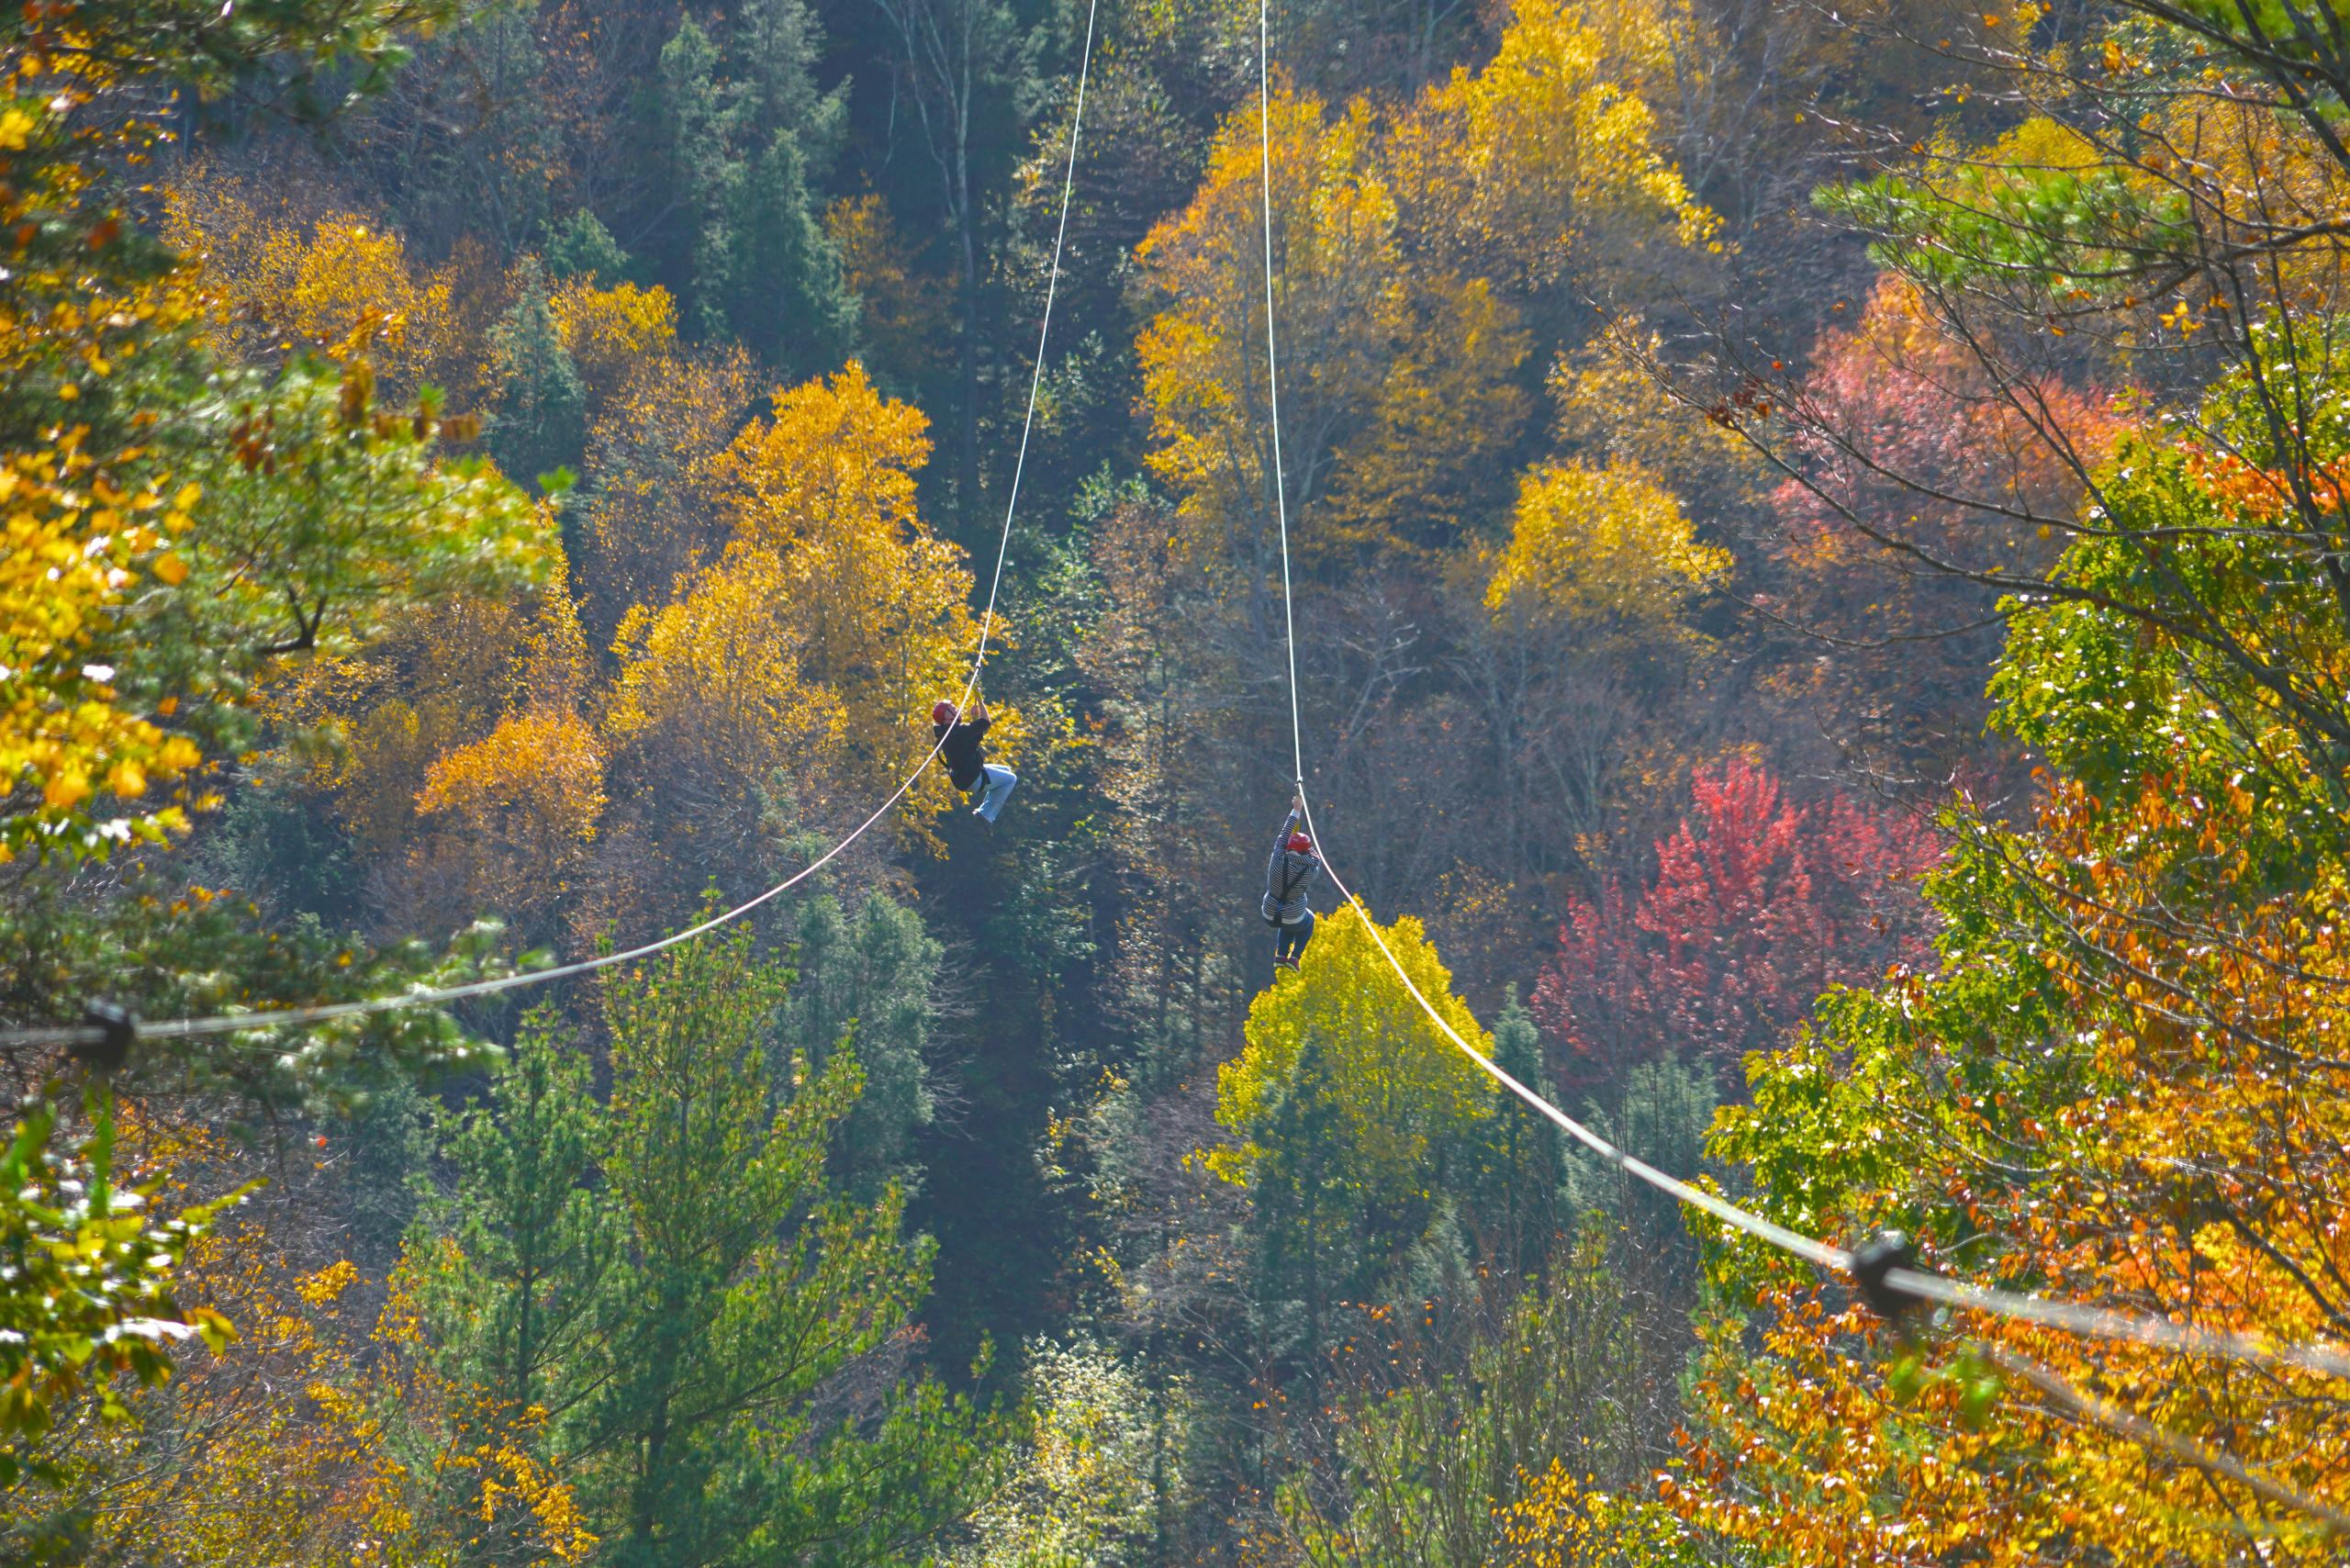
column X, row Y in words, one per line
column 1607, row 548
column 1399, row 1087
column 1517, row 167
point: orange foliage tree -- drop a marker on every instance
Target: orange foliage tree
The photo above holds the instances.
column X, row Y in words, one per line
column 2123, row 1085
column 875, row 607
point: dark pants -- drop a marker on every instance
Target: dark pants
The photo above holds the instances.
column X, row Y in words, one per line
column 1289, row 941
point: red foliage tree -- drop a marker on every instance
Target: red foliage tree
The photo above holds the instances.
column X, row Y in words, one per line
column 1904, row 440
column 1757, row 905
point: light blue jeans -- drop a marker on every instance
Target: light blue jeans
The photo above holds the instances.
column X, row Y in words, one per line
column 1000, row 780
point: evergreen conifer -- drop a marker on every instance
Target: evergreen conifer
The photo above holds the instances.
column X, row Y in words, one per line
column 580, row 246
column 868, row 980
column 671, row 1278
column 760, row 268
column 542, row 415
column 514, row 1267
column 1528, row 1166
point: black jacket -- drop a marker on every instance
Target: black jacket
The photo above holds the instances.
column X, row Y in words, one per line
column 960, row 751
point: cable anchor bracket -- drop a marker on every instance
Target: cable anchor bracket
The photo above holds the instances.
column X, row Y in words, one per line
column 1873, row 1262
column 117, row 1031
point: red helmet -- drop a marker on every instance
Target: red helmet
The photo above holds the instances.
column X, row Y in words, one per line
column 941, row 711
column 1301, row 842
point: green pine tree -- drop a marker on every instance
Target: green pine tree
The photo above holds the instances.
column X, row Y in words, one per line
column 868, row 980
column 779, row 287
column 541, row 423
column 1313, row 1244
column 1663, row 1116
column 512, row 1272
column 753, row 1284
column 384, row 1140
column 516, row 1267
column 1528, row 1162
column 580, row 246
column 774, row 49
column 760, row 268
column 699, row 124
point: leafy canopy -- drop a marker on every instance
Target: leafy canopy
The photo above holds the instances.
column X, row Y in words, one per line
column 1398, row 1087
column 1609, row 549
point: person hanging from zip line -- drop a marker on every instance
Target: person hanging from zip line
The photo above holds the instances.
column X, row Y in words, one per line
column 959, row 738
column 1295, row 866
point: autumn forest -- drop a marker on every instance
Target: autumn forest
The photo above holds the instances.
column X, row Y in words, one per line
column 1802, row 554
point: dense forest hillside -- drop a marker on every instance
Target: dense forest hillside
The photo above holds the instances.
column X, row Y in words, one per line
column 1799, row 553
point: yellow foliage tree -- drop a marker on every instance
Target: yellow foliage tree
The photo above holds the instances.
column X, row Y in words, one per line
column 463, row 754
column 285, row 285
column 1563, row 1521
column 483, row 777
column 349, row 270
column 836, row 463
column 1512, row 169
column 711, row 685
column 1397, row 1086
column 608, row 333
column 87, row 516
column 76, row 538
column 1404, row 253
column 1342, row 309
column 1424, row 470
column 874, row 606
column 1608, row 549
column 1612, row 410
column 282, row 1473
column 382, row 765
column 295, row 1446
column 552, row 667
column 522, row 805
column 443, row 679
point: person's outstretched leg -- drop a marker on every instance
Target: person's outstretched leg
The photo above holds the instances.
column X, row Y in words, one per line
column 999, row 782
column 1288, row 946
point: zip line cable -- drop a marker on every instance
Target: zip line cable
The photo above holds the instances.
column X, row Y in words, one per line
column 237, row 1022
column 1876, row 1275
column 1273, row 395
column 2099, row 1323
